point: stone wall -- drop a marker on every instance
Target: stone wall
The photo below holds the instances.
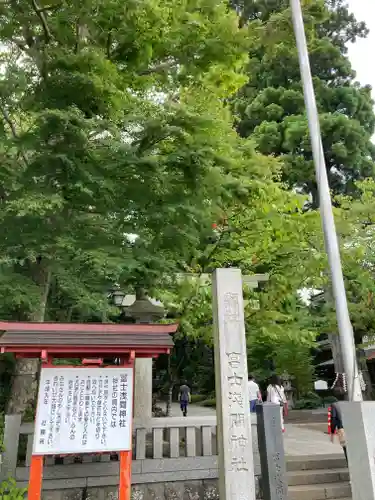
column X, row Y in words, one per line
column 185, row 476
column 206, row 489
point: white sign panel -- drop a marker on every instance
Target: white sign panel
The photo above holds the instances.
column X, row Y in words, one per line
column 84, row 410
column 320, row 385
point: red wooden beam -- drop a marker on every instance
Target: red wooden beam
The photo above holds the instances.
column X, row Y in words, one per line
column 88, row 327
column 83, row 352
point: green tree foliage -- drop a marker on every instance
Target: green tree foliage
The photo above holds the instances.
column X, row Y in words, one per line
column 273, row 233
column 354, row 220
column 264, row 229
column 356, row 226
column 113, row 147
column 106, row 132
column 118, row 154
column 267, row 229
column 270, row 107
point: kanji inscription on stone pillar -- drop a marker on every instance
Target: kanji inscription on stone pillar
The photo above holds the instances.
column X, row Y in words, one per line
column 236, row 468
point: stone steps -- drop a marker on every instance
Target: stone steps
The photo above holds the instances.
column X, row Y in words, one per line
column 315, row 462
column 299, row 478
column 318, row 478
column 319, row 491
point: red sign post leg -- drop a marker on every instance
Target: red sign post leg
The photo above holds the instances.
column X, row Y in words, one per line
column 125, row 485
column 36, row 477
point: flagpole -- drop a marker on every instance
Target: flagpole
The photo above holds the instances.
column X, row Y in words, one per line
column 326, row 213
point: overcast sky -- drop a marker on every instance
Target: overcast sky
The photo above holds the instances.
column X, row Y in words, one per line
column 362, row 52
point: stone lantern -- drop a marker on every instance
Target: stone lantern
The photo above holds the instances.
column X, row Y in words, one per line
column 142, row 310
column 286, row 380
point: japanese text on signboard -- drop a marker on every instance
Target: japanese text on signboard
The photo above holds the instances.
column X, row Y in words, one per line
column 83, row 410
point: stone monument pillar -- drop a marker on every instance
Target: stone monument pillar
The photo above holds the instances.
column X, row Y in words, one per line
column 274, row 484
column 236, row 468
column 358, row 421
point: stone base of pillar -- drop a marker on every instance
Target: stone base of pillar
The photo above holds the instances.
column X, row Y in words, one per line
column 359, row 425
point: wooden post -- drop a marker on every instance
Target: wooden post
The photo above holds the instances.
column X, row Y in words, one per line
column 236, row 467
column 36, row 477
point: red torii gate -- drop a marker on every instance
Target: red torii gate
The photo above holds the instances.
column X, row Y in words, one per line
column 49, row 341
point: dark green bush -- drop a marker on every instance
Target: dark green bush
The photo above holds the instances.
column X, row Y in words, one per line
column 313, row 396
column 198, row 398
column 10, row 491
column 308, row 404
column 328, row 400
column 7, row 364
column 211, row 403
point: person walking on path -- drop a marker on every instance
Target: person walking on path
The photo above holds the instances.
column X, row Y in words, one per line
column 254, row 393
column 184, row 398
column 276, row 395
column 336, row 424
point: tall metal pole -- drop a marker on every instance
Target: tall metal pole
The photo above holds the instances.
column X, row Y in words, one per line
column 326, row 213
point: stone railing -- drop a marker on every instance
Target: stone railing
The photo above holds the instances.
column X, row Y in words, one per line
column 169, row 451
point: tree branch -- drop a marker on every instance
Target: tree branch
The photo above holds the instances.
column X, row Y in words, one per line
column 20, row 44
column 367, row 223
column 13, row 130
column 159, row 68
column 40, row 13
column 50, row 7
column 77, row 34
column 9, row 122
column 203, row 267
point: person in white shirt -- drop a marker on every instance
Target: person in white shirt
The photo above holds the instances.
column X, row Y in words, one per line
column 254, row 393
column 276, row 395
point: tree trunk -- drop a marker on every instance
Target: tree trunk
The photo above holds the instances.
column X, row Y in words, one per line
column 336, row 352
column 25, row 380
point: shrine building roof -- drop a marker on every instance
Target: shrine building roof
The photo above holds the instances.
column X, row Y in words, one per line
column 82, row 339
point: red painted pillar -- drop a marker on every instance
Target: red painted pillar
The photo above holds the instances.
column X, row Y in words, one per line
column 36, row 477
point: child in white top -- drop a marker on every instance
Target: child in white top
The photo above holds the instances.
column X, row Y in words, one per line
column 276, row 395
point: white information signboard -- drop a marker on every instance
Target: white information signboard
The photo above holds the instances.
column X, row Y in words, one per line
column 321, row 385
column 84, row 410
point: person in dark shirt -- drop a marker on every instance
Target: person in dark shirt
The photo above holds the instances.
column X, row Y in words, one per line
column 184, row 397
column 336, row 423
